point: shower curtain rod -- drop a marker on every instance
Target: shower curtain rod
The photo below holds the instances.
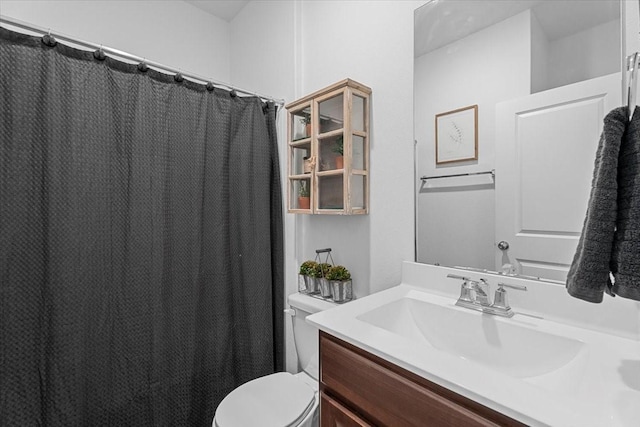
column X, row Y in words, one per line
column 128, row 56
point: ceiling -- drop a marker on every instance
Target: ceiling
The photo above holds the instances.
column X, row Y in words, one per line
column 223, row 9
column 441, row 22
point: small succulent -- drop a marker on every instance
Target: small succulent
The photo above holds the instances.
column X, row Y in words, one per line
column 316, row 272
column 339, row 273
column 303, row 191
column 324, row 269
column 338, row 147
column 306, row 119
column 309, row 268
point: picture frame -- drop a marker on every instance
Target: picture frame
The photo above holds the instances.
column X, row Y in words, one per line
column 457, row 135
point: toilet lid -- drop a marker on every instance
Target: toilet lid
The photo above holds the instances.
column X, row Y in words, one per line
column 276, row 400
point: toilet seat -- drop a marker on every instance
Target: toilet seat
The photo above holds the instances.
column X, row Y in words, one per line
column 276, row 400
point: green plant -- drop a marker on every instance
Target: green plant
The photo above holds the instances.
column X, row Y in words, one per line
column 338, row 147
column 306, row 119
column 309, row 268
column 303, row 191
column 339, row 273
column 315, row 272
column 324, row 269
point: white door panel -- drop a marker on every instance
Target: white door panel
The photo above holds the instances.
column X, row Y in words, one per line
column 545, row 152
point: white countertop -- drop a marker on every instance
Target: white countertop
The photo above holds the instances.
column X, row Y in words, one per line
column 599, row 387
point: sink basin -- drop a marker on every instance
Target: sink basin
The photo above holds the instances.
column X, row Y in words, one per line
column 504, row 345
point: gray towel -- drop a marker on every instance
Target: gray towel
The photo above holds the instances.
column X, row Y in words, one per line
column 610, row 239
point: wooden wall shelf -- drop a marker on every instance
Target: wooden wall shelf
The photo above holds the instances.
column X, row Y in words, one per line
column 317, row 126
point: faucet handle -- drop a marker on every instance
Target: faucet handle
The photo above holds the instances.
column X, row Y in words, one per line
column 455, row 276
column 518, row 287
column 465, row 289
column 500, row 299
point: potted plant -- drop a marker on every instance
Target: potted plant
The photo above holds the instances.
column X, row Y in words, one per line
column 307, row 283
column 325, row 286
column 338, row 148
column 341, row 285
column 306, row 121
column 304, row 202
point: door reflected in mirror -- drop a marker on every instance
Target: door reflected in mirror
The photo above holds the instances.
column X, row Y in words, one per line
column 543, row 75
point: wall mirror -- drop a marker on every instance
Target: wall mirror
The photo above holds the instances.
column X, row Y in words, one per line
column 543, row 74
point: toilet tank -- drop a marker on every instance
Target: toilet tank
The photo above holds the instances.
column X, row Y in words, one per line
column 305, row 335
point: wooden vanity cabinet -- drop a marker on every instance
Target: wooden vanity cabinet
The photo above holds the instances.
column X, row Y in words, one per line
column 360, row 389
column 333, row 413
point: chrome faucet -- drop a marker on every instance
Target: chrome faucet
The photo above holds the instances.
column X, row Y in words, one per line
column 474, row 294
column 481, row 288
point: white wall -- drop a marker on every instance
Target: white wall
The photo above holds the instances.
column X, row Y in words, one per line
column 262, row 54
column 582, row 56
column 539, row 56
column 173, row 33
column 372, row 43
column 456, row 216
column 313, row 45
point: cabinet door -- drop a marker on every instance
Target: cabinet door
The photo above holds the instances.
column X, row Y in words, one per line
column 300, row 160
column 333, row 414
column 388, row 395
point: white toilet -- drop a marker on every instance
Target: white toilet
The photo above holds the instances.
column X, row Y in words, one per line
column 281, row 399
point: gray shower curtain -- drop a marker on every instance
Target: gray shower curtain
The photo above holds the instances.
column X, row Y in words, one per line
column 141, row 258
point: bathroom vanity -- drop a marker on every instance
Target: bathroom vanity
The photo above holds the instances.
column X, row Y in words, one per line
column 408, row 356
column 357, row 386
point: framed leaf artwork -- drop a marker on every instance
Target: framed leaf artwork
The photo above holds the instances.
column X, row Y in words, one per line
column 457, row 135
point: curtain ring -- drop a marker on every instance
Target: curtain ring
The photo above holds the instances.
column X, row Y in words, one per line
column 142, row 66
column 233, row 93
column 49, row 40
column 210, row 86
column 178, row 77
column 99, row 54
